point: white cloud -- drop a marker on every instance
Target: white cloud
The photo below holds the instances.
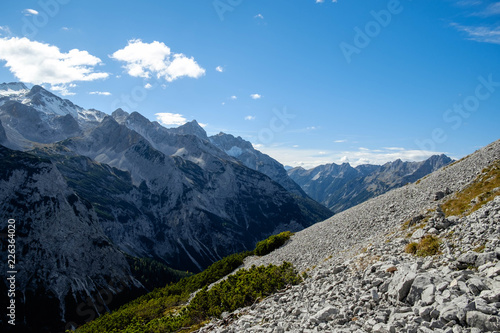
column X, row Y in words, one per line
column 340, row 141
column 255, row 96
column 492, row 10
column 219, row 69
column 466, row 3
column 102, row 93
column 170, row 119
column 203, row 125
column 63, row 89
column 148, row 86
column 156, row 59
column 250, row 118
column 5, row 31
column 344, row 159
column 39, row 63
column 233, row 97
column 259, row 16
column 481, row 34
column 311, row 128
column 30, row 12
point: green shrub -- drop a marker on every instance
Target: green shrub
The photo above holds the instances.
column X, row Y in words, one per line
column 164, row 310
column 272, row 243
column 158, row 315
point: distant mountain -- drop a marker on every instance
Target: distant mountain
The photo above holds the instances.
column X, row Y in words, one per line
column 339, row 187
column 98, row 190
column 244, row 152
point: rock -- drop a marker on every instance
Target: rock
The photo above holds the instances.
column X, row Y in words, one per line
column 482, row 306
column 483, row 321
column 476, row 285
column 325, row 313
column 439, row 195
column 484, row 258
column 428, row 295
column 467, row 259
column 419, row 233
column 415, row 293
column 493, row 271
column 380, row 328
column 490, row 296
column 425, row 313
column 402, row 281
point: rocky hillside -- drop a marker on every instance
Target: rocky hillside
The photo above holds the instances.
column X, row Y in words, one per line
column 63, row 256
column 421, row 258
column 339, row 187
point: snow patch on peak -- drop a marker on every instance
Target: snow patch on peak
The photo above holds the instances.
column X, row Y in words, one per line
column 12, row 89
column 234, row 151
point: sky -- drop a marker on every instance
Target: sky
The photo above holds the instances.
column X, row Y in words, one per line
column 308, row 82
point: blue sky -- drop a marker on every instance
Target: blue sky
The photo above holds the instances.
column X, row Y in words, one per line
column 308, row 82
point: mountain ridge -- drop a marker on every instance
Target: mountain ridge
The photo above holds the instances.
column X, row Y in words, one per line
column 339, row 187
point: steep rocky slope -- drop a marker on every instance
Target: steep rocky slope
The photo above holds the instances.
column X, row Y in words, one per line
column 360, row 279
column 244, row 152
column 339, row 187
column 63, row 256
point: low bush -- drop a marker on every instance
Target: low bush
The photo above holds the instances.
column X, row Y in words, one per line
column 272, row 243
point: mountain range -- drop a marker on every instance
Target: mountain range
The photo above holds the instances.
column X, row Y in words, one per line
column 340, row 187
column 93, row 194
column 88, row 190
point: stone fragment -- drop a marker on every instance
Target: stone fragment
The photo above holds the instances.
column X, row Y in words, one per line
column 325, row 313
column 483, row 321
column 483, row 258
column 402, row 281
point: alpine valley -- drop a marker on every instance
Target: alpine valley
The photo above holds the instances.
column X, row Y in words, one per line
column 122, row 204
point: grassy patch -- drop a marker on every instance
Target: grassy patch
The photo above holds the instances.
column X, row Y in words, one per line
column 427, row 246
column 473, row 197
column 480, row 248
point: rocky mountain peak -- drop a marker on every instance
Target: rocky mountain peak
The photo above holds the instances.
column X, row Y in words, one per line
column 230, row 143
column 120, row 116
column 191, row 128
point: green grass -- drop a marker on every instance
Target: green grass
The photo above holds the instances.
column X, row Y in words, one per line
column 481, row 190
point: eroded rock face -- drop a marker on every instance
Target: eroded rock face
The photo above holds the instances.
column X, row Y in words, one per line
column 373, row 284
column 63, row 255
